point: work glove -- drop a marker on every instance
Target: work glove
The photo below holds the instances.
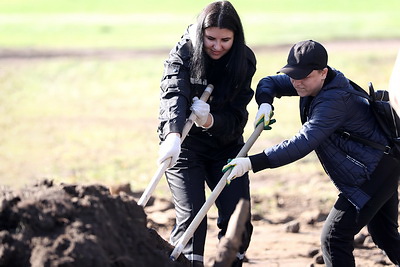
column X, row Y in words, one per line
column 170, row 148
column 201, row 109
column 264, row 115
column 239, row 167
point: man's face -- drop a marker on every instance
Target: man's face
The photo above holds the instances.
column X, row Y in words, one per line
column 310, row 85
column 217, row 41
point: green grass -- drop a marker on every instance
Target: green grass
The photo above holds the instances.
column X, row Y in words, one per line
column 78, row 121
column 150, row 25
column 184, row 6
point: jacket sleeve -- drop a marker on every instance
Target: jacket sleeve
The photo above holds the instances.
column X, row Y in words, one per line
column 274, row 86
column 175, row 89
column 327, row 116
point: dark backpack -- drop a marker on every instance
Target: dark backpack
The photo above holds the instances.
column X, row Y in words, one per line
column 386, row 116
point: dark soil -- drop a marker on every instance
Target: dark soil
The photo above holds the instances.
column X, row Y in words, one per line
column 76, row 225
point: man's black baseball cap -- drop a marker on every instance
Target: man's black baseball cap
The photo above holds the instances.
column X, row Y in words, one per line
column 304, row 57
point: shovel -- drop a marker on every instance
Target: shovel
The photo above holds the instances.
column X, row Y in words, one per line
column 164, row 165
column 213, row 196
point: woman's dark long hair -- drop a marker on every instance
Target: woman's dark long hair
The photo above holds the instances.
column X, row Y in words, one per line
column 221, row 14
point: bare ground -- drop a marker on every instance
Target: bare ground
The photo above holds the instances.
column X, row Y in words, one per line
column 287, row 227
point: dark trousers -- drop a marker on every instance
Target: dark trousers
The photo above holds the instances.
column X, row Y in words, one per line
column 380, row 215
column 187, row 181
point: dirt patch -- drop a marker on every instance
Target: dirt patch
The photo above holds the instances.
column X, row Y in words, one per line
column 75, row 225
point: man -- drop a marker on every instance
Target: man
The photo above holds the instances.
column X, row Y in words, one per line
column 367, row 178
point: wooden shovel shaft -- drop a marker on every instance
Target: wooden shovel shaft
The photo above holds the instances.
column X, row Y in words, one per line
column 164, row 165
column 213, row 196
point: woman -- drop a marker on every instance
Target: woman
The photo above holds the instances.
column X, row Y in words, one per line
column 213, row 51
column 366, row 177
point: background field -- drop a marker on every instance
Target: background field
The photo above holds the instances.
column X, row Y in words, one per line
column 157, row 24
column 80, row 79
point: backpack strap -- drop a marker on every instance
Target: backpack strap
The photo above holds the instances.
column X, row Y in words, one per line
column 346, row 135
column 360, row 91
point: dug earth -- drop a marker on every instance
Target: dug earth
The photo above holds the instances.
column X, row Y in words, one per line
column 73, row 225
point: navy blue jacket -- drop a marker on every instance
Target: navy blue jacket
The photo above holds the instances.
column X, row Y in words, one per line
column 348, row 163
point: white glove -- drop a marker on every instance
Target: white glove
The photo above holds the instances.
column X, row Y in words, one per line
column 170, row 148
column 201, row 109
column 239, row 167
column 264, row 113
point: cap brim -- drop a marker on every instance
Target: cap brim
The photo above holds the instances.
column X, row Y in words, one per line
column 295, row 72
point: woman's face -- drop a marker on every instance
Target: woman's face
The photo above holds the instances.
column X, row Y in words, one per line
column 217, row 41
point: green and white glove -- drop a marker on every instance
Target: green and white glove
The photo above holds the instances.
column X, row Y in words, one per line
column 264, row 115
column 238, row 166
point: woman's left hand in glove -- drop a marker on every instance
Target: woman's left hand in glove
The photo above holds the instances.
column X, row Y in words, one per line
column 202, row 111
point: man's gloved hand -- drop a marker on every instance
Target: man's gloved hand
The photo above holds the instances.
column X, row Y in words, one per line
column 264, row 115
column 170, row 148
column 239, row 167
column 201, row 109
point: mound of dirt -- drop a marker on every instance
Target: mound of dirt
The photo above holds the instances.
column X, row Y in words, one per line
column 75, row 225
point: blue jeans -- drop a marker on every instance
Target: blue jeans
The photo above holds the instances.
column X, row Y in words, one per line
column 380, row 215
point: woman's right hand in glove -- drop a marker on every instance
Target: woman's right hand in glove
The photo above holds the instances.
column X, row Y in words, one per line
column 170, row 148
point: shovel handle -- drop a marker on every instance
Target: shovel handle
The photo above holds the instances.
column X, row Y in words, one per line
column 153, row 183
column 164, row 165
column 213, row 196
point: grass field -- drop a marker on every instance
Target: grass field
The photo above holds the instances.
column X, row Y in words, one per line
column 157, row 24
column 85, row 119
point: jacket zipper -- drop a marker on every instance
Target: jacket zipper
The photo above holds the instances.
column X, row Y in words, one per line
column 356, row 162
column 360, row 164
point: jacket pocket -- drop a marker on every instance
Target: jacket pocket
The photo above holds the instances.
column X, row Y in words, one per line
column 170, row 79
column 171, row 69
column 358, row 171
